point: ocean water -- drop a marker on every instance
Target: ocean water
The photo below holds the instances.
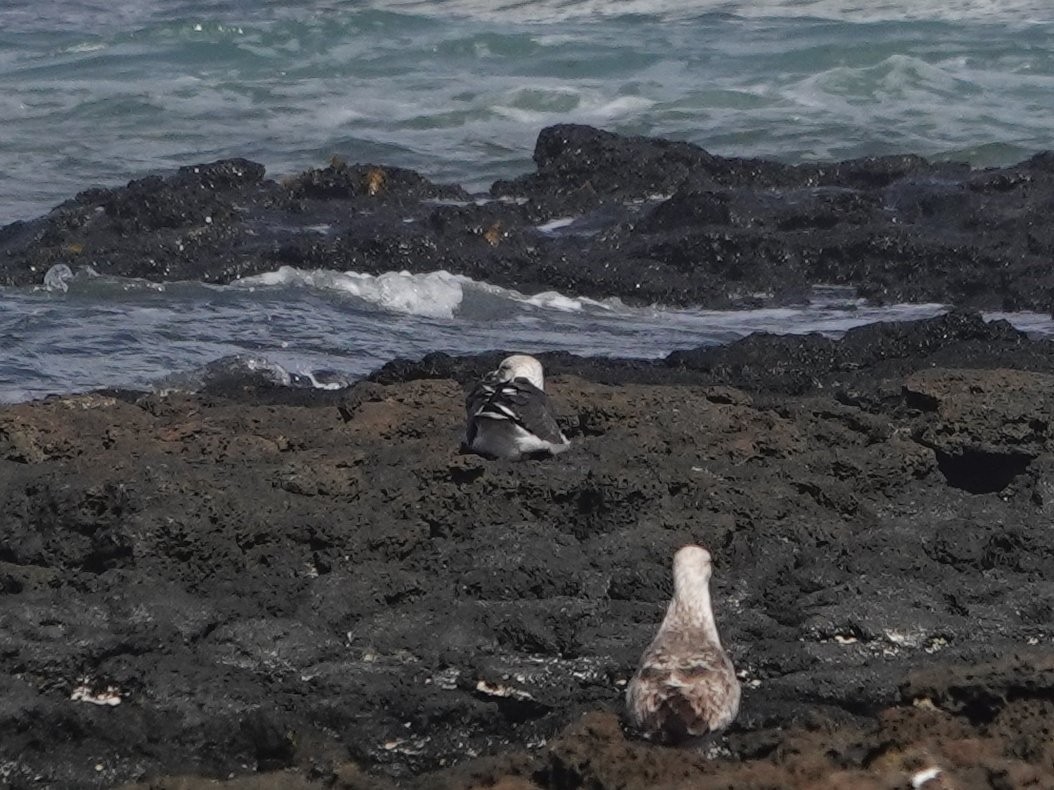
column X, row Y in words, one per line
column 326, row 328
column 96, row 93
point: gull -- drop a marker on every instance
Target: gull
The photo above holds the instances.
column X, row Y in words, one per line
column 509, row 415
column 686, row 686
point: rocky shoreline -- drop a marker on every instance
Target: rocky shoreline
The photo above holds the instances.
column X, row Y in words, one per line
column 649, row 221
column 298, row 588
column 264, row 587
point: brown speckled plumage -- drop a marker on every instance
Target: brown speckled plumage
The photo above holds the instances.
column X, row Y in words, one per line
column 686, row 686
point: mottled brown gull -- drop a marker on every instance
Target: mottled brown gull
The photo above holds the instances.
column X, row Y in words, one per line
column 686, row 686
column 509, row 415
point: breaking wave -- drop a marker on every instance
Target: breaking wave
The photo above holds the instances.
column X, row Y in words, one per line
column 437, row 294
column 297, row 328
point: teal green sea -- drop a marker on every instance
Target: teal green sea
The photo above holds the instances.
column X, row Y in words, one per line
column 96, row 93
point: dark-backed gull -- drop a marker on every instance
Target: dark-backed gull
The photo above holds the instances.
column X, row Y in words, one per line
column 509, row 415
column 686, row 686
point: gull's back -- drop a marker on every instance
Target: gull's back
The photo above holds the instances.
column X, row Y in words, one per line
column 686, row 687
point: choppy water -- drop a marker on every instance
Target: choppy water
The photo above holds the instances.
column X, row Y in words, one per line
column 111, row 332
column 95, row 93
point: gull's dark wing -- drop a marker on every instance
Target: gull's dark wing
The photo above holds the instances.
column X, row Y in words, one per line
column 517, row 401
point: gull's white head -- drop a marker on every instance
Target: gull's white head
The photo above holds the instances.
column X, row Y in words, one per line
column 521, row 366
column 691, row 571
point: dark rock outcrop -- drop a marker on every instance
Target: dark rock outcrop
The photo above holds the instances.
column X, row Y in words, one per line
column 782, row 364
column 656, row 221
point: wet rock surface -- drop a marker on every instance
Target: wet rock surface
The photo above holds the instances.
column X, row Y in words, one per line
column 647, row 220
column 298, row 588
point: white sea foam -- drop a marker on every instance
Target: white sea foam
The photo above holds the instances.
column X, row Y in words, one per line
column 79, row 49
column 556, row 224
column 319, row 383
column 520, row 115
column 621, row 106
column 550, row 101
column 553, row 300
column 57, row 278
column 1023, row 11
column 439, row 294
column 434, row 294
column 1036, row 324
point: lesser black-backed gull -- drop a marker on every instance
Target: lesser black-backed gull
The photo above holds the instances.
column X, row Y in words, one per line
column 509, row 415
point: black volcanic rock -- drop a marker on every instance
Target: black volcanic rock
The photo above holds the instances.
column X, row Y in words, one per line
column 579, row 165
column 768, row 364
column 795, row 365
column 658, row 222
column 343, row 181
column 319, row 590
